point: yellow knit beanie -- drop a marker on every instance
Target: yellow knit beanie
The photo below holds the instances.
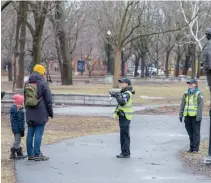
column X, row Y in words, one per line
column 39, row 68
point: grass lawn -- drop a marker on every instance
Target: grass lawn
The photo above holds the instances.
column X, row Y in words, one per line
column 59, row 128
column 171, row 93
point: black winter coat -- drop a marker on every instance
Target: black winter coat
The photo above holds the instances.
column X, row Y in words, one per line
column 39, row 114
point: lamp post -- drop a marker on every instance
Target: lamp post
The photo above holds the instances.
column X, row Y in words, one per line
column 108, row 52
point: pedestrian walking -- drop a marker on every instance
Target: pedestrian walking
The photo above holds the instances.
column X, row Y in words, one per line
column 38, row 104
column 191, row 109
column 17, row 120
column 124, row 112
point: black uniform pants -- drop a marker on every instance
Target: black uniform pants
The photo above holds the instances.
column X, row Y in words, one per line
column 124, row 135
column 208, row 74
column 193, row 128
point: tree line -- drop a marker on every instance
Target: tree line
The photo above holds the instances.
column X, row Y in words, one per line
column 152, row 33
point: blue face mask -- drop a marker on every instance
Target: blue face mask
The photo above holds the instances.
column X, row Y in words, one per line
column 192, row 90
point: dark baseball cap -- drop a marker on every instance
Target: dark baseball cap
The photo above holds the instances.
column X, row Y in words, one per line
column 125, row 80
column 192, row 81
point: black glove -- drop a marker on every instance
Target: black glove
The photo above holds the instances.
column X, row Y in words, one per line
column 51, row 116
column 113, row 94
column 22, row 133
column 180, row 118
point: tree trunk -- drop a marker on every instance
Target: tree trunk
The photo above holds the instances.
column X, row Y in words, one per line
column 122, row 69
column 37, row 33
column 67, row 62
column 16, row 52
column 112, row 62
column 11, row 53
column 59, row 57
column 67, row 65
column 122, row 65
column 167, row 63
column 177, row 65
column 9, row 69
column 187, row 61
column 37, row 41
column 193, row 75
column 143, row 58
column 117, row 68
column 136, row 67
column 5, row 4
column 20, row 77
column 199, row 64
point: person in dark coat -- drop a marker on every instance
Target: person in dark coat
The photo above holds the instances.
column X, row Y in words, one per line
column 37, row 116
column 206, row 57
column 17, row 121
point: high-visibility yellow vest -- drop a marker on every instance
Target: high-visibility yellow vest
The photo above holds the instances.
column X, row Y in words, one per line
column 127, row 108
column 191, row 104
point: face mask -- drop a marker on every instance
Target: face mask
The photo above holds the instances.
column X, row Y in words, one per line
column 191, row 90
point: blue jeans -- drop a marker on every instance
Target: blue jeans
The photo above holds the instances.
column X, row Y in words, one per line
column 34, row 133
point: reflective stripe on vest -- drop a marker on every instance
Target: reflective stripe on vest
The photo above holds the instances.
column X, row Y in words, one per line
column 127, row 108
column 191, row 105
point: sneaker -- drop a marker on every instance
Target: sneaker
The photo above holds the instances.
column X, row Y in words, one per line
column 195, row 152
column 41, row 158
column 30, row 158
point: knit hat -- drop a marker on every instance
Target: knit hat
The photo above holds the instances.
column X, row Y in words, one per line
column 39, row 68
column 18, row 99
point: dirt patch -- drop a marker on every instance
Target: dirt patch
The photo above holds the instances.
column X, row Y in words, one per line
column 57, row 129
column 195, row 161
column 168, row 110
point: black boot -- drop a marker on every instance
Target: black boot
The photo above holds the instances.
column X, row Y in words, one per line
column 123, row 156
column 12, row 154
column 20, row 153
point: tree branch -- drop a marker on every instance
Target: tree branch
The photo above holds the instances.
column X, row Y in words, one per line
column 3, row 6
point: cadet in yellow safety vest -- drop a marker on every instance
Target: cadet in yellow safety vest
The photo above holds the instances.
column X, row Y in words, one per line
column 191, row 109
column 124, row 111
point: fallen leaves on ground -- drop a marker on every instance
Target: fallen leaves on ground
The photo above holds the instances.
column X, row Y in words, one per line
column 167, row 110
column 57, row 129
column 195, row 161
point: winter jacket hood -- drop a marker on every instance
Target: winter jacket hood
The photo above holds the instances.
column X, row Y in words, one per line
column 35, row 77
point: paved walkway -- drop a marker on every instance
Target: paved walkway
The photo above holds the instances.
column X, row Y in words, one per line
column 155, row 145
column 96, row 110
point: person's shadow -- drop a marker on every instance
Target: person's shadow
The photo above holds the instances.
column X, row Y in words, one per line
column 2, row 95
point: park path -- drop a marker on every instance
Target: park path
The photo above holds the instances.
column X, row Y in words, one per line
column 155, row 145
column 96, row 110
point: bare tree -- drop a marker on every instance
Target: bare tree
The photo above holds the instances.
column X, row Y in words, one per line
column 197, row 16
column 122, row 19
column 22, row 40
column 67, row 23
column 39, row 10
column 5, row 4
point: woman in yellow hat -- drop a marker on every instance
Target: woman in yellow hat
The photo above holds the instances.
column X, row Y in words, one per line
column 38, row 104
